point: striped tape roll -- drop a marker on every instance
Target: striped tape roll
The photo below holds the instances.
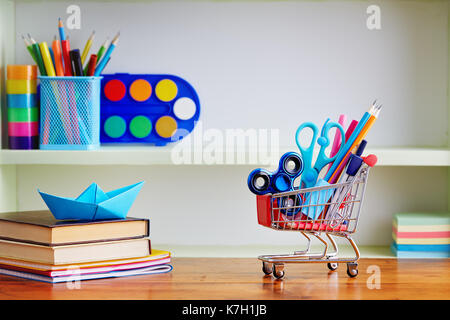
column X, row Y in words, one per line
column 21, row 72
column 21, row 100
column 23, row 129
column 23, row 114
column 14, row 86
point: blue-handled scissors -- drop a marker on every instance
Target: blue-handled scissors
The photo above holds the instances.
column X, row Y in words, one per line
column 310, row 172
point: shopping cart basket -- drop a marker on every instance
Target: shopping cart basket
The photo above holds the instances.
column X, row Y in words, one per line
column 332, row 210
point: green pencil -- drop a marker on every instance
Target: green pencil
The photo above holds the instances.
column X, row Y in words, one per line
column 100, row 53
column 38, row 55
column 30, row 49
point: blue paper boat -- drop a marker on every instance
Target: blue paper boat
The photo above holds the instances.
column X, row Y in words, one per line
column 93, row 203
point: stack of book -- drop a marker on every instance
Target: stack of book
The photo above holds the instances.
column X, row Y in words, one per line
column 421, row 235
column 34, row 245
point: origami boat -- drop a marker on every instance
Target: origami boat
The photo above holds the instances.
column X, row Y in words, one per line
column 93, row 203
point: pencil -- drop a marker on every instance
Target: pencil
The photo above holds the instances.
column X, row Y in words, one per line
column 65, row 46
column 56, row 45
column 62, row 35
column 30, row 49
column 362, row 134
column 87, row 47
column 37, row 53
column 101, row 65
column 47, row 58
column 100, row 53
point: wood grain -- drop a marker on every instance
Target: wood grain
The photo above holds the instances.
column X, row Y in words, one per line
column 239, row 278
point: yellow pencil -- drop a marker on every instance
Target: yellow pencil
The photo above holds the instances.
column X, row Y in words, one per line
column 87, row 47
column 47, row 59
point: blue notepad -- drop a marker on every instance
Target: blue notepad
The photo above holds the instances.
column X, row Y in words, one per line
column 420, row 254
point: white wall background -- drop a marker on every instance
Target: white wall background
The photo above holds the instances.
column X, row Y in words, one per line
column 265, row 65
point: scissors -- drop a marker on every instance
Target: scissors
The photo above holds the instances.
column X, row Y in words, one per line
column 310, row 172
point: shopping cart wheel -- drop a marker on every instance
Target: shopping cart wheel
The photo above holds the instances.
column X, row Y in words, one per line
column 352, row 269
column 267, row 268
column 278, row 271
column 332, row 266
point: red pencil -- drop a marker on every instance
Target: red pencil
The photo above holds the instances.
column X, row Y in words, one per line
column 92, row 65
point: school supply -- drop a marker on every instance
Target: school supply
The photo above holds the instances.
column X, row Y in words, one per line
column 147, row 108
column 91, row 65
column 74, row 276
column 59, row 68
column 101, row 65
column 40, row 227
column 100, row 53
column 30, row 49
column 77, row 66
column 87, row 47
column 38, row 56
column 70, row 113
column 311, row 173
column 65, row 46
column 338, row 137
column 93, row 203
column 93, row 270
column 357, row 136
column 22, row 106
column 46, row 57
column 421, row 235
column 261, row 181
column 78, row 253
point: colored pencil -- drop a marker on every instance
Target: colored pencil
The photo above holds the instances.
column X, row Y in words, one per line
column 47, row 58
column 30, row 49
column 87, row 47
column 56, row 45
column 101, row 65
column 374, row 112
column 37, row 53
column 100, row 53
column 62, row 35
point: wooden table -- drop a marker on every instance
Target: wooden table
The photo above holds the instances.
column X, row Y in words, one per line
column 239, row 278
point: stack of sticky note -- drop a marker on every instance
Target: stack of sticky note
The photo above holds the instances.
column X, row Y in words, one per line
column 421, row 235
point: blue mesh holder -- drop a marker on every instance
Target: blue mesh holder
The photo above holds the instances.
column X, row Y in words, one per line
column 70, row 113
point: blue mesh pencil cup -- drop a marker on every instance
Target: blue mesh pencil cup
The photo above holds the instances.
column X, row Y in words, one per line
column 70, row 113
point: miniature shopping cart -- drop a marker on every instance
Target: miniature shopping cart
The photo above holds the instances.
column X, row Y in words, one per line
column 332, row 210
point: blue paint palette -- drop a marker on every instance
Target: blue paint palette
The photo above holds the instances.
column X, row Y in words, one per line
column 147, row 108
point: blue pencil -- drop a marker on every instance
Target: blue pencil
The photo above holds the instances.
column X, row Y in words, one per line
column 106, row 56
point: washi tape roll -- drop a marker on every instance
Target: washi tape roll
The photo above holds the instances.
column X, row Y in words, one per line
column 23, row 114
column 24, row 142
column 21, row 72
column 21, row 100
column 14, row 86
column 23, row 129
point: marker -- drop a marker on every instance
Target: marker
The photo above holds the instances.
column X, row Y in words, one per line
column 30, row 49
column 87, row 47
column 100, row 53
column 56, row 45
column 37, row 53
column 105, row 59
column 91, row 65
column 77, row 67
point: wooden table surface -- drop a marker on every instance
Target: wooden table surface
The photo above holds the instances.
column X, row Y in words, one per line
column 239, row 278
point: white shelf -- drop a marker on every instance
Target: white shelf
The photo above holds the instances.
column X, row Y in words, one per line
column 140, row 155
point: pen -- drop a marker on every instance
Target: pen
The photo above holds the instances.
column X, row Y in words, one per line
column 37, row 53
column 87, row 47
column 76, row 62
column 101, row 65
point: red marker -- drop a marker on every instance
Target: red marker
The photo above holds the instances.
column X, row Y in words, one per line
column 92, row 65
